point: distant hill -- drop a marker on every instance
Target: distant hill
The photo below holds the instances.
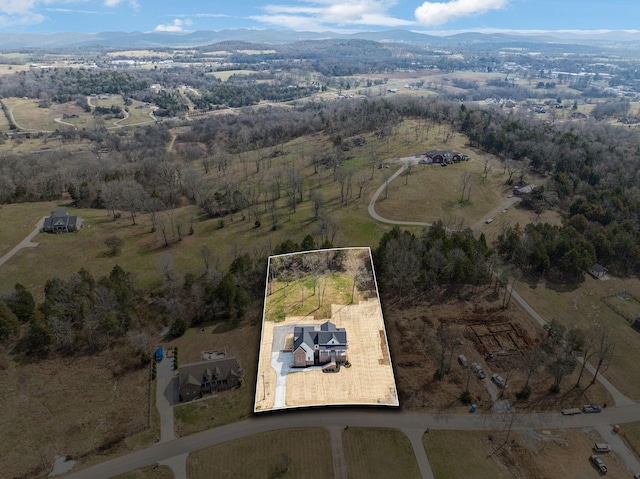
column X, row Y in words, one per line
column 614, row 40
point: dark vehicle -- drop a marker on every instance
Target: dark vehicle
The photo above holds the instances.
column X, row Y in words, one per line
column 591, row 408
column 596, row 461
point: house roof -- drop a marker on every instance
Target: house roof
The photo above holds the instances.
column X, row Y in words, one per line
column 60, row 218
column 325, row 336
column 217, row 369
column 598, row 268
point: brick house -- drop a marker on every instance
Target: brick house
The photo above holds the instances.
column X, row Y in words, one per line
column 316, row 345
column 205, row 377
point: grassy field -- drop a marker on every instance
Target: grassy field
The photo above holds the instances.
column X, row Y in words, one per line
column 229, row 406
column 631, row 435
column 454, row 454
column 378, row 452
column 224, row 75
column 291, row 453
column 66, row 407
column 29, row 116
column 296, row 298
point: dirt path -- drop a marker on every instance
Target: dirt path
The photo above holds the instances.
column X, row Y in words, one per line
column 25, row 243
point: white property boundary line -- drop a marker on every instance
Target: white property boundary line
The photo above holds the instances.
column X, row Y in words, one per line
column 260, row 382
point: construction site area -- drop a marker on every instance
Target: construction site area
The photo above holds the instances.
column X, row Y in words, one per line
column 329, row 294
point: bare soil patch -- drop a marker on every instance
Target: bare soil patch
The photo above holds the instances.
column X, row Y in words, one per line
column 480, row 327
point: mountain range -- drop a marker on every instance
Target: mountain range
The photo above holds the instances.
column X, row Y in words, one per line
column 617, row 40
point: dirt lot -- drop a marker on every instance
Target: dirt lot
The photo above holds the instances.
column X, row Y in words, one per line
column 368, row 381
column 478, row 325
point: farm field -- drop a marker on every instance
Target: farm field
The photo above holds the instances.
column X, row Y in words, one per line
column 290, row 453
column 378, row 452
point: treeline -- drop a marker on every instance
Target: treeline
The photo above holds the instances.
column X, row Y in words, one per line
column 82, row 315
column 409, row 265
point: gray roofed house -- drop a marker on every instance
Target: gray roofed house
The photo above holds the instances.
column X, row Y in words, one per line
column 319, row 344
column 219, row 374
column 61, row 221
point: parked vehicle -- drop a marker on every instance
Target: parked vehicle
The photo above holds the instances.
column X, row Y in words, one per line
column 636, row 475
column 596, row 461
column 462, row 359
column 489, row 220
column 601, row 447
column 159, row 353
column 571, row 411
column 591, row 408
column 499, row 380
column 475, row 367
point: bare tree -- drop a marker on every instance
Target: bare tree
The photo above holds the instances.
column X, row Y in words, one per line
column 355, row 268
column 132, row 196
column 466, row 180
column 407, row 171
column 606, row 344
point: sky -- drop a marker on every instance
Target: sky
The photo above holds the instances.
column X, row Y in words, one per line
column 443, row 16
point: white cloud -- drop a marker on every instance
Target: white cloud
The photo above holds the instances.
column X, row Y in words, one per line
column 24, row 12
column 21, row 19
column 319, row 14
column 438, row 13
column 115, row 3
column 177, row 26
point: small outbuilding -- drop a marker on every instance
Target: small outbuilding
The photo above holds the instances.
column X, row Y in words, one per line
column 636, row 324
column 61, row 221
column 598, row 271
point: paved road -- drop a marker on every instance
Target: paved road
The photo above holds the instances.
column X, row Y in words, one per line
column 619, row 447
column 356, row 418
column 25, row 243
